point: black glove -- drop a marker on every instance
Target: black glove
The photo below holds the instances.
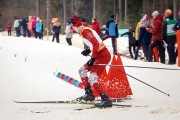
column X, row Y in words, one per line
column 86, row 52
column 91, row 62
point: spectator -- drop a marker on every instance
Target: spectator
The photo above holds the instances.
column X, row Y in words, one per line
column 156, row 37
column 95, row 26
column 8, row 28
column 84, row 23
column 34, row 26
column 169, row 36
column 30, row 32
column 20, row 20
column 24, row 26
column 177, row 25
column 137, row 30
column 39, row 28
column 145, row 37
column 112, row 31
column 42, row 29
column 69, row 32
column 16, row 26
column 56, row 29
column 132, row 42
column 52, row 22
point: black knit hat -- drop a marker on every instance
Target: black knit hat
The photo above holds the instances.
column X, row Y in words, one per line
column 111, row 16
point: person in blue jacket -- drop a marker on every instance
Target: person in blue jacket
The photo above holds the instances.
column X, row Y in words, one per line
column 112, row 31
column 39, row 28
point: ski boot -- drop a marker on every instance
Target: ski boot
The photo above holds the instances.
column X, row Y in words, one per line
column 88, row 95
column 106, row 102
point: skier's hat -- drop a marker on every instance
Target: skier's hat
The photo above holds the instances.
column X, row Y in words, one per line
column 76, row 20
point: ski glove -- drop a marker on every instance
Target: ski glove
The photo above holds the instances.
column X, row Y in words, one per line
column 86, row 52
column 91, row 62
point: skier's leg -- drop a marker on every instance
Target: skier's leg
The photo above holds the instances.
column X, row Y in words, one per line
column 88, row 92
column 96, row 71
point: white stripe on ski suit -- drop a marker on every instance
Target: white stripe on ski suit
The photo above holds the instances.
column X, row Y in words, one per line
column 87, row 42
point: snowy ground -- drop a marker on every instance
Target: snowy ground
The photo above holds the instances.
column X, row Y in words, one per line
column 27, row 68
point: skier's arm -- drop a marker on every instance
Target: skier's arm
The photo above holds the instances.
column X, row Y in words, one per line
column 93, row 42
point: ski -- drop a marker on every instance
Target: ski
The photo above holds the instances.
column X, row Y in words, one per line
column 70, row 80
column 57, row 102
column 94, row 106
column 68, row 102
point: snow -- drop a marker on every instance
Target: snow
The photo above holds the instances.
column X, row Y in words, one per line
column 27, row 68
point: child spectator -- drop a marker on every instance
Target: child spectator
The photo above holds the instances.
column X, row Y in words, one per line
column 30, row 32
column 39, row 28
column 69, row 32
column 8, row 28
column 34, row 26
column 132, row 41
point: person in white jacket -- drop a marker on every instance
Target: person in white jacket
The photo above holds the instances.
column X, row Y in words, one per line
column 69, row 32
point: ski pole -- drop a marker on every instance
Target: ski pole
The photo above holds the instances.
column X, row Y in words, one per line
column 137, row 66
column 140, row 81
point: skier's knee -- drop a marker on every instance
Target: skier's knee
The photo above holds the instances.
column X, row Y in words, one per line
column 92, row 78
column 83, row 72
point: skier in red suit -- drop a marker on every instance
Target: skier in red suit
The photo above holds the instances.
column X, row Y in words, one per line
column 100, row 55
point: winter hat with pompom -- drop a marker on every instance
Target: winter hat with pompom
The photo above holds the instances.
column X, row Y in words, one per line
column 168, row 13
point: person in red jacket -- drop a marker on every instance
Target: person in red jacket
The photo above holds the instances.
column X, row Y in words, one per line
column 156, row 37
column 8, row 28
column 95, row 26
column 100, row 55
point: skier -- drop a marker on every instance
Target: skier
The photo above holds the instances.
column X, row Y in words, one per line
column 100, row 55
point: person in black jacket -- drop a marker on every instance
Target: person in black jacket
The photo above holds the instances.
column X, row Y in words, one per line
column 145, row 37
column 132, row 41
column 24, row 26
column 177, row 25
column 56, row 29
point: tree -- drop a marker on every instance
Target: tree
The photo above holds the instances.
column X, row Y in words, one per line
column 64, row 9
column 48, row 8
column 94, row 8
column 37, row 8
column 125, row 12
column 175, row 8
column 120, row 12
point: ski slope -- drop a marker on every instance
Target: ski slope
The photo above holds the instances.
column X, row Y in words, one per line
column 27, row 68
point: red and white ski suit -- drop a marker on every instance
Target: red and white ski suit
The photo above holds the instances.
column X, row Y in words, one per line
column 101, row 55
